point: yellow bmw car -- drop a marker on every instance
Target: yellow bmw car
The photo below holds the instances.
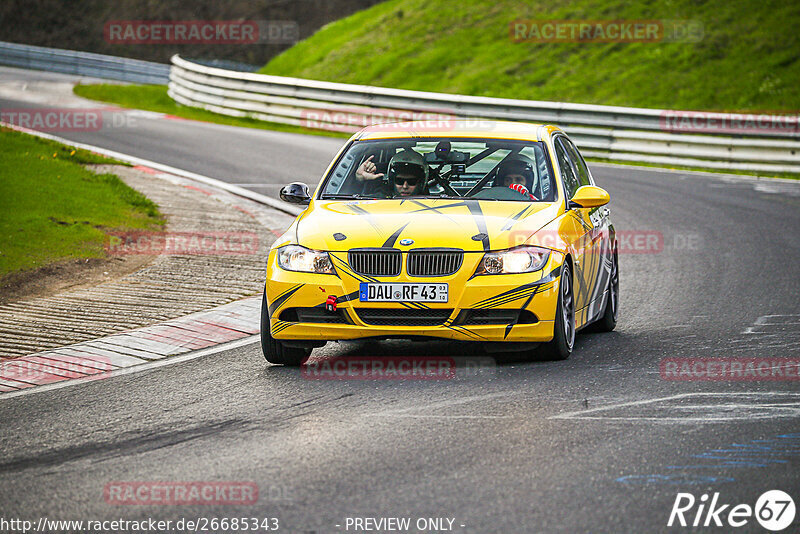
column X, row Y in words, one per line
column 493, row 234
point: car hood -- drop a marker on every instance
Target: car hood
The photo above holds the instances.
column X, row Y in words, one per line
column 471, row 225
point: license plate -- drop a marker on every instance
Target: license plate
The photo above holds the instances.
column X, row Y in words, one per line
column 402, row 292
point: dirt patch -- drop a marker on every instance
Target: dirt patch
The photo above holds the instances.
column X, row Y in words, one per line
column 68, row 274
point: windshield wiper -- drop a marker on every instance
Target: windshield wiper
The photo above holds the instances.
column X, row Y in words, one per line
column 447, row 197
column 347, row 197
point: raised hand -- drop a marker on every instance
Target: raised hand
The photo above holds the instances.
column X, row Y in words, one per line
column 366, row 171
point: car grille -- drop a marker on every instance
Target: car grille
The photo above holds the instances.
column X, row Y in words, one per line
column 375, row 262
column 434, row 262
column 403, row 316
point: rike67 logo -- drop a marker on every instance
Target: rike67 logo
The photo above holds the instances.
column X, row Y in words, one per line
column 774, row 511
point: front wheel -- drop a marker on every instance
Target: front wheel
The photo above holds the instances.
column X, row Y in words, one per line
column 564, row 326
column 275, row 351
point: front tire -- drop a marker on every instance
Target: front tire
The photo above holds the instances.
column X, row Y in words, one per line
column 564, row 326
column 275, row 351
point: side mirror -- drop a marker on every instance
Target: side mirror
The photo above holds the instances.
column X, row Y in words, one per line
column 589, row 196
column 295, row 193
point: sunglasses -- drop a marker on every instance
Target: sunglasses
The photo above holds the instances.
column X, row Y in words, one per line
column 410, row 181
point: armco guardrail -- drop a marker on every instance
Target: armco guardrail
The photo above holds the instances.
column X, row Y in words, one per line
column 83, row 63
column 617, row 133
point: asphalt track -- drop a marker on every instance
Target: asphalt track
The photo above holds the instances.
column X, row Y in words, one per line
column 598, row 443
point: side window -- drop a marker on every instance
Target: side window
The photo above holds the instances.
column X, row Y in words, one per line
column 570, row 180
column 342, row 180
column 546, row 181
column 584, row 178
column 544, row 184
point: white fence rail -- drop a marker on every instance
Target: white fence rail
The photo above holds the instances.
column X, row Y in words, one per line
column 757, row 143
column 83, row 63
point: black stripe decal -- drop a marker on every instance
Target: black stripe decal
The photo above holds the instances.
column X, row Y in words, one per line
column 544, row 280
column 480, row 222
column 280, row 326
column 508, row 329
column 513, row 293
column 435, row 209
column 393, row 238
column 516, row 321
column 512, row 298
column 502, row 299
column 512, row 220
column 465, row 330
column 283, row 298
column 581, row 287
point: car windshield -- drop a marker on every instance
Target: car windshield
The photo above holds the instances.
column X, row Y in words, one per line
column 486, row 169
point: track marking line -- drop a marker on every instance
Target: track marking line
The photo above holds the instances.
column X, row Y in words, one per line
column 773, row 320
column 402, row 412
column 763, row 319
column 747, row 408
column 570, row 415
column 427, row 416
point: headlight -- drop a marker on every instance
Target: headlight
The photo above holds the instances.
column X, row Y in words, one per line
column 514, row 260
column 297, row 258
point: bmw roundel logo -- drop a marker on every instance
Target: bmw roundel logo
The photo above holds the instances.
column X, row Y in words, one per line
column 406, row 242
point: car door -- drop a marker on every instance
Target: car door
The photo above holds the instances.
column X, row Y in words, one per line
column 597, row 258
column 577, row 228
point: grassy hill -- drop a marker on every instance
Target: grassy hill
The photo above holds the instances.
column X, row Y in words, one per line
column 78, row 24
column 747, row 60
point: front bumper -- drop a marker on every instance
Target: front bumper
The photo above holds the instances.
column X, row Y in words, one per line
column 296, row 305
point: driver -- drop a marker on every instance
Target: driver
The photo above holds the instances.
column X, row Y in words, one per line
column 516, row 173
column 407, row 175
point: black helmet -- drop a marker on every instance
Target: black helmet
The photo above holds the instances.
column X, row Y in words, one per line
column 516, row 165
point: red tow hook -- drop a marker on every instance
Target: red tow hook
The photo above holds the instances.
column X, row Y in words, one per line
column 330, row 304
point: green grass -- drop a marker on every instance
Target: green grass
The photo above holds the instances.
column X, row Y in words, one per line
column 748, row 59
column 52, row 208
column 155, row 98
